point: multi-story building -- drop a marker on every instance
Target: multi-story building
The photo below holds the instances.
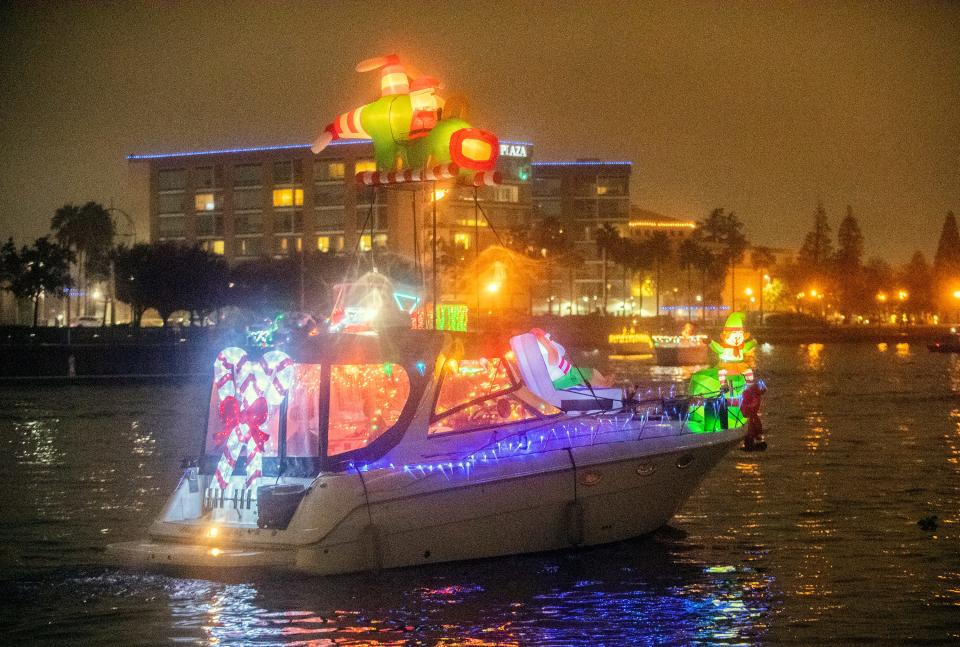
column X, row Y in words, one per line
column 273, row 200
column 584, row 196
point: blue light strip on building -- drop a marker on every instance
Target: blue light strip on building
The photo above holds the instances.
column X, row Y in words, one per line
column 581, row 163
column 253, row 149
column 261, row 149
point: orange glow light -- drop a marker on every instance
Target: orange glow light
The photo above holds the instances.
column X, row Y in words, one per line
column 476, row 149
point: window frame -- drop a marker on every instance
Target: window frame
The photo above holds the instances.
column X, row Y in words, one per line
column 516, row 385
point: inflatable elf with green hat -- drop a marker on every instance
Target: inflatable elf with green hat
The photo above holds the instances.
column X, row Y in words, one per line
column 732, row 348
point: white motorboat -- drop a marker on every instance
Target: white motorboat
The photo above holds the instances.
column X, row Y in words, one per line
column 344, row 452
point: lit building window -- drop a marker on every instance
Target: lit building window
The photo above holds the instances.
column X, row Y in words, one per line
column 205, row 202
column 215, row 246
column 461, row 240
column 287, row 197
column 365, row 243
column 286, row 245
column 323, row 243
column 362, row 166
column 380, row 240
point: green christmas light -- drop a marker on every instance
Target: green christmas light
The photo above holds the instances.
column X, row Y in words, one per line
column 452, row 316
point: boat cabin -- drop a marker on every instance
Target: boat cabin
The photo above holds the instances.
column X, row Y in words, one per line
column 349, row 399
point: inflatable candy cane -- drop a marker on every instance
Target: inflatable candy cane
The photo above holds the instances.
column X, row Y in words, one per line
column 249, row 392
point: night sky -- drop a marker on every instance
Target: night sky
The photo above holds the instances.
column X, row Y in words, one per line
column 760, row 108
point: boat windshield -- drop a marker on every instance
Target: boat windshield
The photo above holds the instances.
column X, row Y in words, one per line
column 476, row 393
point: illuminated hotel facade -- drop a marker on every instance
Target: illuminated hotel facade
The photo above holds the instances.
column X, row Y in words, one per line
column 246, row 203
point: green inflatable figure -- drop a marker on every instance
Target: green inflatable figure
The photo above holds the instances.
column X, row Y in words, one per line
column 722, row 386
column 721, row 409
column 733, row 347
column 408, row 127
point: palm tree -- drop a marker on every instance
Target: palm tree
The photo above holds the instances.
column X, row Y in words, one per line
column 626, row 254
column 571, row 260
column 660, row 250
column 87, row 230
column 549, row 243
column 707, row 263
column 607, row 238
column 689, row 253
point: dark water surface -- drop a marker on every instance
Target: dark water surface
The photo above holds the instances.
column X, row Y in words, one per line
column 813, row 542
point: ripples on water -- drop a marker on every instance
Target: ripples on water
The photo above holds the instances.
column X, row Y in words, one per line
column 814, row 541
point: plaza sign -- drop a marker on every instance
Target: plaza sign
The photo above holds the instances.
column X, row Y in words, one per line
column 513, row 150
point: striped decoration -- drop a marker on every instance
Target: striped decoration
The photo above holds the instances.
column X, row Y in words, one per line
column 348, row 126
column 486, row 178
column 441, row 172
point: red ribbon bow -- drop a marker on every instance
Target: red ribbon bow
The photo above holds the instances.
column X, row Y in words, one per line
column 253, row 415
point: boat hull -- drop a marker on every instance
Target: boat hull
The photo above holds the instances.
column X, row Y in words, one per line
column 581, row 496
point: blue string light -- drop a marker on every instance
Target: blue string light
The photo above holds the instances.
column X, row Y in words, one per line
column 581, row 163
column 252, row 149
column 530, row 441
column 262, row 149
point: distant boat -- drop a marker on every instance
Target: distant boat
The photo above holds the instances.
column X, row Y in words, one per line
column 680, row 350
column 947, row 344
column 630, row 342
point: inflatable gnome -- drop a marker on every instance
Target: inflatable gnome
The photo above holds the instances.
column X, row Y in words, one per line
column 727, row 379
